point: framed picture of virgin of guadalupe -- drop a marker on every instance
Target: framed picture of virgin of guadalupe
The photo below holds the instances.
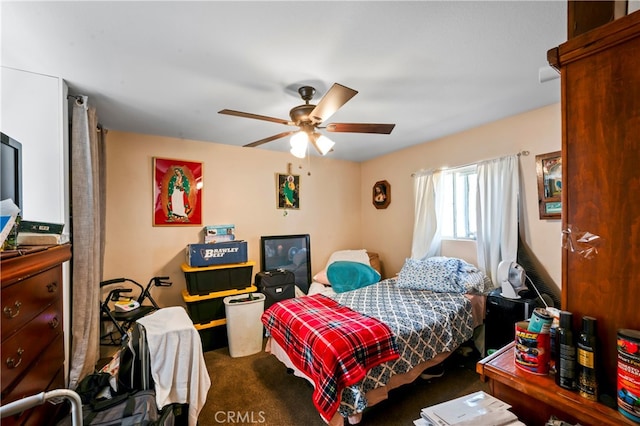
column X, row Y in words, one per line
column 177, row 199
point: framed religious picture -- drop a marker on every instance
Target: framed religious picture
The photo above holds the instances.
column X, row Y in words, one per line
column 177, row 192
column 381, row 195
column 288, row 191
column 549, row 170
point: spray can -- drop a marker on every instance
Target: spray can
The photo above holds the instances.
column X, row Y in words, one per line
column 565, row 353
column 587, row 360
column 628, row 344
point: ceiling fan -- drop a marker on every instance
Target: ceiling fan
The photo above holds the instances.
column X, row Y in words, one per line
column 308, row 118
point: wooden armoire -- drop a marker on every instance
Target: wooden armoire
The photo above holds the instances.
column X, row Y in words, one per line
column 600, row 83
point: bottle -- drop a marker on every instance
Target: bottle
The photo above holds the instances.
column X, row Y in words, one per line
column 565, row 353
column 587, row 360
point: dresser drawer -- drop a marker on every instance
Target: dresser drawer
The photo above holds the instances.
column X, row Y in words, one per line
column 46, row 373
column 48, row 414
column 21, row 349
column 24, row 300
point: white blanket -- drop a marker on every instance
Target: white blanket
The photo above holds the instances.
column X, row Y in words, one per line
column 177, row 364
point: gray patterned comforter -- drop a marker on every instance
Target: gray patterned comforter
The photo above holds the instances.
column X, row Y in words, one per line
column 424, row 323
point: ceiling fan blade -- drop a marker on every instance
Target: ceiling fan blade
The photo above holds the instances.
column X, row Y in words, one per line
column 255, row 116
column 360, row 128
column 337, row 96
column 269, row 139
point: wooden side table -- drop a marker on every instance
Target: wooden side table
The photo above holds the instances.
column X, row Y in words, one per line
column 534, row 399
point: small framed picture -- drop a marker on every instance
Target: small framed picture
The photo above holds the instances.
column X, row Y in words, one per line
column 177, row 189
column 381, row 195
column 549, row 170
column 288, row 191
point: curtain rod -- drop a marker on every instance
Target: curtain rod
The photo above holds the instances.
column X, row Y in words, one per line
column 523, row 152
column 79, row 99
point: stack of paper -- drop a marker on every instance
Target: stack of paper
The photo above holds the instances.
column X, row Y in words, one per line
column 41, row 233
column 478, row 408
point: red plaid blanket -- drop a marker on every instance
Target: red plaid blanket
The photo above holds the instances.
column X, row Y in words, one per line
column 331, row 343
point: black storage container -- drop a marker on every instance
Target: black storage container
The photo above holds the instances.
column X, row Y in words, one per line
column 209, row 279
column 209, row 307
column 276, row 285
column 213, row 335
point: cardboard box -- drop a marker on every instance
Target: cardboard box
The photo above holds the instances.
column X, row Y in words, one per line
column 219, row 233
column 212, row 239
column 216, row 254
column 206, row 280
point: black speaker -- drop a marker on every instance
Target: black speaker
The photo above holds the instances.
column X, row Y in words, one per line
column 501, row 317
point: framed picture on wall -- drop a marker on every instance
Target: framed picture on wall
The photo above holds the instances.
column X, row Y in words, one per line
column 177, row 192
column 288, row 191
column 549, row 170
column 381, row 194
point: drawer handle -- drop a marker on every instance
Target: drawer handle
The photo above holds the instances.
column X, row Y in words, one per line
column 11, row 363
column 54, row 322
column 9, row 312
column 51, row 288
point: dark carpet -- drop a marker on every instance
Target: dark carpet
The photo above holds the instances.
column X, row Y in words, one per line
column 257, row 390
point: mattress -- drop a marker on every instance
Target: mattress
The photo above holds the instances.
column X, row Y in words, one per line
column 428, row 326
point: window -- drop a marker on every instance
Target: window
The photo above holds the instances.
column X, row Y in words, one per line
column 459, row 203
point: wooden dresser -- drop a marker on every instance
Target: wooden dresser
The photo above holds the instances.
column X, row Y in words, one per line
column 600, row 72
column 534, row 399
column 32, row 328
column 600, row 81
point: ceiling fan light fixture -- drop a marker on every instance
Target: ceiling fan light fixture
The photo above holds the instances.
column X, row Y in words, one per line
column 298, row 153
column 299, row 143
column 308, row 117
column 323, row 143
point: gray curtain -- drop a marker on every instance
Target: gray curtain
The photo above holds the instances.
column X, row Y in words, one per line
column 87, row 212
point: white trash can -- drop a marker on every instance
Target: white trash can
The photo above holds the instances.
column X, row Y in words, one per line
column 244, row 328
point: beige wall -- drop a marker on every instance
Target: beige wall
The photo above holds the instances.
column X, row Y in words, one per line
column 239, row 188
column 389, row 231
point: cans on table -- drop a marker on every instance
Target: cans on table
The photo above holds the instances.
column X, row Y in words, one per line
column 540, row 321
column 628, row 344
column 532, row 349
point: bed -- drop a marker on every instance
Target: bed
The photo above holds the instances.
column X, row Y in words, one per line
column 426, row 317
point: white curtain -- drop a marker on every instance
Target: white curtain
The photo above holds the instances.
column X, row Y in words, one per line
column 427, row 195
column 88, row 211
column 497, row 218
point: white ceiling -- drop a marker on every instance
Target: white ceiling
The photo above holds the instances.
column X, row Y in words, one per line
column 166, row 68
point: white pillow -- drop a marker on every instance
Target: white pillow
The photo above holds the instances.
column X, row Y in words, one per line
column 360, row 256
column 349, row 256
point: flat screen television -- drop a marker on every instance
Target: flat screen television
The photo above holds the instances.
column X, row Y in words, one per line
column 11, row 170
column 289, row 252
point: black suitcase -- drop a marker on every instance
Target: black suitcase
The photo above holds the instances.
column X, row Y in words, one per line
column 276, row 285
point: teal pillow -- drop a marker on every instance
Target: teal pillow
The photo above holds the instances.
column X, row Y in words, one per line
column 346, row 276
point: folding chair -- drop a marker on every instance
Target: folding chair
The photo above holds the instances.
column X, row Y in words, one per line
column 138, row 306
